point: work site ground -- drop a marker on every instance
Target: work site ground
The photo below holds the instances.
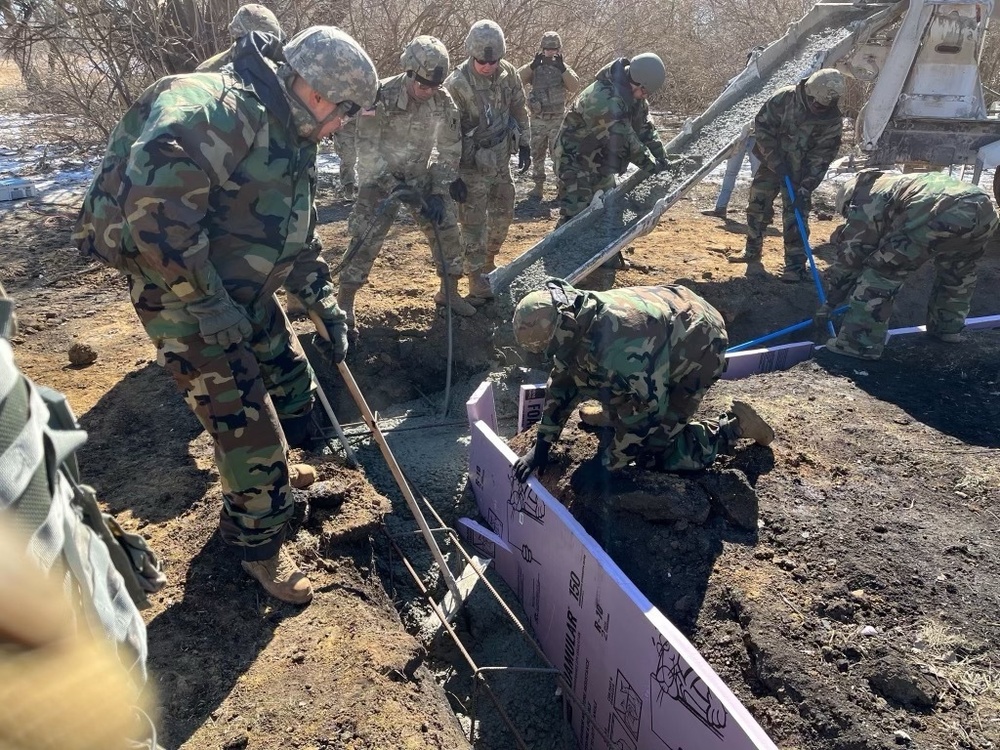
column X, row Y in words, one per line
column 848, row 593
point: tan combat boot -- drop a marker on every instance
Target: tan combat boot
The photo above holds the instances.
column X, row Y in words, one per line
column 459, row 305
column 301, row 476
column 594, row 414
column 479, row 289
column 751, row 424
column 345, row 301
column 281, row 578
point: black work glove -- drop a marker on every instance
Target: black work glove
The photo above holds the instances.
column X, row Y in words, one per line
column 523, row 158
column 434, row 209
column 536, row 458
column 539, row 59
column 558, row 60
column 459, row 191
column 661, row 165
column 336, row 347
column 409, row 196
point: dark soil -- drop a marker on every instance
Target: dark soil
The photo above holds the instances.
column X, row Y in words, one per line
column 843, row 581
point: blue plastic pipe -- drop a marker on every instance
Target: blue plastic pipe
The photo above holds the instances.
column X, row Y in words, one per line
column 808, row 248
column 778, row 334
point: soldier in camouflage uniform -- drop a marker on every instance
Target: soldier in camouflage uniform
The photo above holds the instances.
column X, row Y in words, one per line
column 606, row 127
column 345, row 143
column 248, row 18
column 410, row 143
column 551, row 80
column 494, row 125
column 205, row 201
column 797, row 133
column 896, row 223
column 648, row 355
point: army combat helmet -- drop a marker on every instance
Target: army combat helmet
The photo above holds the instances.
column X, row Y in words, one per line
column 647, row 70
column 535, row 320
column 426, row 59
column 336, row 66
column 825, row 87
column 551, row 40
column 255, row 17
column 485, row 41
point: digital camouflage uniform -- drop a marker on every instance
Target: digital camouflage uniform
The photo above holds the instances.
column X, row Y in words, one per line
column 345, row 143
column 492, row 119
column 604, row 129
column 896, row 223
column 790, row 139
column 402, row 141
column 206, row 192
column 547, row 105
column 648, row 355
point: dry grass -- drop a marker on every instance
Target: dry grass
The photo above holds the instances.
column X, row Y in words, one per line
column 973, row 676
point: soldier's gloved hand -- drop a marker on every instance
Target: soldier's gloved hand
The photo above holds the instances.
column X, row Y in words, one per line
column 560, row 65
column 331, row 329
column 802, row 197
column 220, row 320
column 410, row 196
column 458, row 191
column 434, row 209
column 536, row 458
column 661, row 165
column 536, row 63
column 523, row 158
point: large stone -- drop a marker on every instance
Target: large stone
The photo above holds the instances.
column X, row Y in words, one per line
column 897, row 681
column 663, row 497
column 732, row 494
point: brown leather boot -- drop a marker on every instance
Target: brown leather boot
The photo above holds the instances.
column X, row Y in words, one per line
column 459, row 305
column 281, row 578
column 479, row 289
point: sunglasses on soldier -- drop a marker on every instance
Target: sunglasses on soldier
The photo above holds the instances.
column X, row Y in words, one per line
column 487, row 62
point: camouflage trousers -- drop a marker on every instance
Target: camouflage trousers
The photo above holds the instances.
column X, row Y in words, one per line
column 238, row 395
column 544, row 129
column 368, row 217
column 345, row 144
column 580, row 176
column 662, row 435
column 954, row 240
column 764, row 188
column 486, row 216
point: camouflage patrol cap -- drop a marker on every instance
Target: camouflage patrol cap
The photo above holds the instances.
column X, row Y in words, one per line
column 551, row 40
column 535, row 319
column 648, row 71
column 485, row 41
column 427, row 58
column 255, row 17
column 825, row 86
column 335, row 65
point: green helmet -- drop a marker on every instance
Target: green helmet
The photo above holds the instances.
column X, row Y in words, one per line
column 826, row 86
column 335, row 65
column 648, row 71
column 255, row 17
column 427, row 58
column 535, row 319
column 551, row 40
column 485, row 41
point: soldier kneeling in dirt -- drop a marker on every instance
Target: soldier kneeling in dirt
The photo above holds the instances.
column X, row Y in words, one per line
column 896, row 223
column 648, row 355
column 205, row 201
